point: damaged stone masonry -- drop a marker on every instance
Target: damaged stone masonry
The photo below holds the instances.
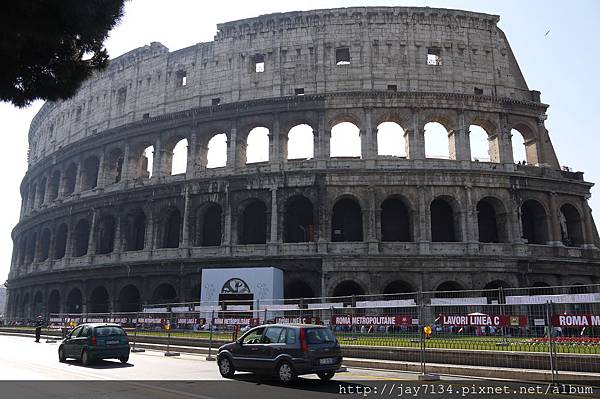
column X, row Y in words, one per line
column 108, row 224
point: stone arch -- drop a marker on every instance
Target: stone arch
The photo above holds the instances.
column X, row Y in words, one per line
column 253, row 223
column 31, row 248
column 436, row 137
column 45, row 244
column 54, row 302
column 345, row 140
column 142, row 160
column 89, row 173
column 135, row 230
column 195, row 292
column 38, row 304
column 492, row 220
column 300, row 142
column 69, row 179
column 448, row 289
column 398, row 287
column 170, row 228
column 99, row 300
column 164, row 293
column 216, row 151
column 74, row 301
column 479, row 144
column 209, row 221
column 346, row 220
column 81, row 237
column 391, row 139
column 348, row 288
column 534, row 222
column 105, row 236
column 42, row 191
column 571, row 226
column 257, row 145
column 60, row 241
column 299, row 222
column 296, row 289
column 492, row 290
column 524, row 142
column 114, row 166
column 32, row 195
column 26, row 306
column 445, row 219
column 396, row 224
column 129, row 299
column 540, row 288
column 177, row 158
column 54, row 185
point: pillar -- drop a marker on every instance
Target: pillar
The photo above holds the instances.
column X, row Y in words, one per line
column 368, row 140
column 232, row 144
column 371, row 224
column 193, row 160
column 588, row 225
column 553, row 221
column 185, row 236
column 274, row 237
column 101, row 172
column 92, row 237
column 125, row 170
column 458, row 140
column 274, row 144
column 322, row 139
column 415, row 139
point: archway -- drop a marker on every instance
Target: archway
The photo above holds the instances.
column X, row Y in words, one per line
column 209, row 225
column 171, row 229
column 390, row 140
column 258, row 145
column 45, row 244
column 299, row 220
column 348, row 288
column 437, row 144
column 253, row 229
column 38, row 304
column 398, row 287
column 89, row 177
column 346, row 221
column 106, row 235
column 179, row 157
column 345, row 140
column 135, row 231
column 448, row 289
column 216, row 156
column 533, row 220
column 300, row 144
column 81, row 237
column 60, row 246
column 54, row 302
column 99, row 301
column 129, row 299
column 489, row 225
column 70, row 179
column 164, row 293
column 54, row 185
column 26, row 307
column 115, row 166
column 298, row 289
column 74, row 301
column 571, row 229
column 443, row 221
column 395, row 221
column 479, row 144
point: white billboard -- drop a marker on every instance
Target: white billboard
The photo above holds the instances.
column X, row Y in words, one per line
column 264, row 283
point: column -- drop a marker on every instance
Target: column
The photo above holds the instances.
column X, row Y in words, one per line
column 227, row 233
column 414, row 137
column 472, row 229
column 274, row 237
column 274, row 144
column 149, row 244
column 118, row 244
column 92, row 237
column 125, row 170
column 458, row 140
column 368, row 140
column 158, row 163
column 322, row 143
column 372, row 241
column 101, row 172
column 185, row 239
column 504, row 143
column 232, row 144
column 553, row 221
column 193, row 160
column 424, row 222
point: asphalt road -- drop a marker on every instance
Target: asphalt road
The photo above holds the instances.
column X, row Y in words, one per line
column 32, row 370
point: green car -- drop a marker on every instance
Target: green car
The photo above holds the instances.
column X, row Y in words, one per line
column 94, row 341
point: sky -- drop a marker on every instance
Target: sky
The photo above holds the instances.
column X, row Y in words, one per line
column 554, row 42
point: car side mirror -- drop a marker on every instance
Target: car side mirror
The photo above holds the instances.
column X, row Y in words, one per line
column 240, row 342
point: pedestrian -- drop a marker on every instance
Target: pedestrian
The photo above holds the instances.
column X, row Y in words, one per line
column 38, row 328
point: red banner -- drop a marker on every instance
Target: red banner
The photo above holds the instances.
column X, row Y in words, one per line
column 393, row 320
column 298, row 320
column 576, row 320
column 242, row 321
column 482, row 320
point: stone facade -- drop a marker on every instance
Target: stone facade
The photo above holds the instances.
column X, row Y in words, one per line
column 98, row 233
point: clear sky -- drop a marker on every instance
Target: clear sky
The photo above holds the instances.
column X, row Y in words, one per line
column 555, row 43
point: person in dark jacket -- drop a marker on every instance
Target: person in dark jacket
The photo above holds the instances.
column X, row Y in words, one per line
column 38, row 328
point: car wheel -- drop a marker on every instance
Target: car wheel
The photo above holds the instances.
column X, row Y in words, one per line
column 226, row 367
column 61, row 355
column 286, row 373
column 85, row 358
column 326, row 375
column 124, row 359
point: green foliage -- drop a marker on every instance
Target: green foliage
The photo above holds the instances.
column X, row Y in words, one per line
column 49, row 47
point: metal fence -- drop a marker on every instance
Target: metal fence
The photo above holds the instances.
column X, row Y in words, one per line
column 546, row 328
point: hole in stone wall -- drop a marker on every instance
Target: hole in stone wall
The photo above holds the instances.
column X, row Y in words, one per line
column 390, row 140
column 81, row 236
column 342, row 56
column 54, row 185
column 480, row 146
column 253, row 228
column 106, row 235
column 181, row 78
column 345, row 140
column 60, row 245
column 90, row 173
column 436, row 141
column 146, row 166
column 434, row 56
column 346, row 221
column 299, row 91
column 217, row 151
column 518, row 147
column 299, row 220
column 442, row 221
column 135, row 231
column 533, row 221
column 180, row 157
column 571, row 229
column 259, row 63
column 171, row 229
column 257, row 149
column 395, row 221
column 300, row 143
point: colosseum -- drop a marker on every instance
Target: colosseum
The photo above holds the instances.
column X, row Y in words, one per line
column 108, row 223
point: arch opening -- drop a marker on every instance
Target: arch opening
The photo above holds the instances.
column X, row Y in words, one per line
column 348, row 288
column 54, row 302
column 81, row 238
column 299, row 220
column 391, row 140
column 257, row 145
column 74, row 301
column 135, row 231
column 42, row 191
column 69, row 179
column 38, row 304
column 479, row 144
column 395, row 221
column 164, row 293
column 298, row 289
column 398, row 287
column 491, row 221
column 300, row 143
column 571, row 229
column 179, row 157
column 216, row 156
column 437, row 144
column 144, row 168
column 54, row 185
column 45, row 244
column 346, row 221
column 115, row 166
column 518, row 147
column 533, row 220
column 60, row 246
column 89, row 175
column 99, row 301
column 171, row 229
column 444, row 226
column 254, row 223
column 129, row 299
column 209, row 225
column 106, row 235
column 345, row 140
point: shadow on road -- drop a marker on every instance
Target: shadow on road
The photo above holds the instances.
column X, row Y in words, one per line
column 100, row 364
column 304, row 384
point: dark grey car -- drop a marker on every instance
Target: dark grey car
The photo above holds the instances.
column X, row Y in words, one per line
column 285, row 350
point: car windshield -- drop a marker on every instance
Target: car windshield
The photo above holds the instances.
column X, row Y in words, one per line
column 109, row 330
column 319, row 336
